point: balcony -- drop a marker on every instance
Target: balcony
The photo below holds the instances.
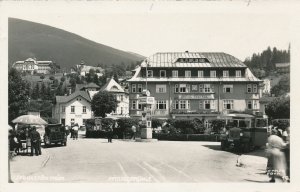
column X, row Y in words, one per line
column 187, row 111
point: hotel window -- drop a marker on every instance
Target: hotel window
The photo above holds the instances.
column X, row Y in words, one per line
column 207, row 88
column 139, row 105
column 84, row 109
column 184, row 88
column 176, row 104
column 207, row 104
column 184, row 104
column 238, row 73
column 163, row 73
column 133, row 105
column 188, row 73
column 249, row 104
column 194, row 87
column 249, row 88
column 181, row 104
column 149, row 73
column 176, row 88
column 174, row 73
column 212, row 73
column 133, row 88
column 200, row 73
column 161, row 104
column 201, row 88
column 161, row 88
column 228, row 104
column 63, row 109
column 254, row 88
column 140, row 88
column 227, row 88
column 72, row 109
column 226, row 73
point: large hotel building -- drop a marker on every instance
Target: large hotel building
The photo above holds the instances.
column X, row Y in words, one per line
column 195, row 85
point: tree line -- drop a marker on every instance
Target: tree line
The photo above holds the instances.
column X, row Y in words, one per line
column 263, row 64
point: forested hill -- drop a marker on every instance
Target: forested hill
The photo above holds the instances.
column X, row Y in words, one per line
column 28, row 39
column 265, row 61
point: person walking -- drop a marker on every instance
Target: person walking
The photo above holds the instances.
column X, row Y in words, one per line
column 72, row 131
column 75, row 130
column 35, row 139
column 277, row 166
column 133, row 132
column 109, row 134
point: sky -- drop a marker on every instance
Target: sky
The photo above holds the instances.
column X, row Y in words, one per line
column 238, row 29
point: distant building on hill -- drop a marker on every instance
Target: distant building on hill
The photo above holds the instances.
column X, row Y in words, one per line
column 282, row 67
column 84, row 69
column 32, row 65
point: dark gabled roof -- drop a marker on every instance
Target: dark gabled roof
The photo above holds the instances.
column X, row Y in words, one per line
column 79, row 87
column 210, row 59
column 91, row 85
column 65, row 99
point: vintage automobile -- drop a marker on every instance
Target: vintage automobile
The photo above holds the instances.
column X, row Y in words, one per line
column 247, row 132
column 54, row 134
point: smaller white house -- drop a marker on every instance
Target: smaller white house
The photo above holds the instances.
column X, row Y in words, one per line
column 75, row 108
column 122, row 97
column 267, row 86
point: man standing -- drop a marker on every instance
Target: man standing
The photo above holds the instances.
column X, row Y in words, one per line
column 110, row 134
column 35, row 139
column 75, row 129
column 133, row 132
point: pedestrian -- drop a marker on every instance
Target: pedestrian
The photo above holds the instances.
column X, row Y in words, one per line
column 109, row 134
column 133, row 132
column 72, row 131
column 67, row 130
column 75, row 130
column 13, row 142
column 35, row 139
column 277, row 166
column 286, row 135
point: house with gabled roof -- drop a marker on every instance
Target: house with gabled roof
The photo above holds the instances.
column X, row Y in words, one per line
column 75, row 108
column 121, row 95
column 191, row 85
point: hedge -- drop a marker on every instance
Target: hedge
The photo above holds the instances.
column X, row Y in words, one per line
column 186, row 137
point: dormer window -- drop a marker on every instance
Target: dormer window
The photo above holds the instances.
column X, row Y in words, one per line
column 238, row 73
column 213, row 73
column 226, row 73
column 163, row 73
column 149, row 73
column 188, row 73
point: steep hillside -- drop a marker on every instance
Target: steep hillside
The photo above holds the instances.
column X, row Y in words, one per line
column 28, row 39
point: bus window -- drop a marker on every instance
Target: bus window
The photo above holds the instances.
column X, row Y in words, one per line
column 261, row 123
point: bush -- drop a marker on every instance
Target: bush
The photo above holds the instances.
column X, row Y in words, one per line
column 217, row 125
column 157, row 122
column 107, row 123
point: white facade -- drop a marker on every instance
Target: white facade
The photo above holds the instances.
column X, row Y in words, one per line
column 74, row 109
column 267, row 86
column 122, row 97
column 32, row 65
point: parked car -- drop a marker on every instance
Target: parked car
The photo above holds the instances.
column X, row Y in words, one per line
column 54, row 134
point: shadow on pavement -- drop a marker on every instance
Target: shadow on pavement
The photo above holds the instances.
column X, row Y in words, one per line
column 256, row 152
column 250, row 180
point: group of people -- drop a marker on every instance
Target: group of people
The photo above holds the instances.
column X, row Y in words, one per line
column 110, row 133
column 278, row 153
column 30, row 136
column 73, row 130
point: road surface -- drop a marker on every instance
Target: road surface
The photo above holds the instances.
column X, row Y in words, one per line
column 95, row 160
